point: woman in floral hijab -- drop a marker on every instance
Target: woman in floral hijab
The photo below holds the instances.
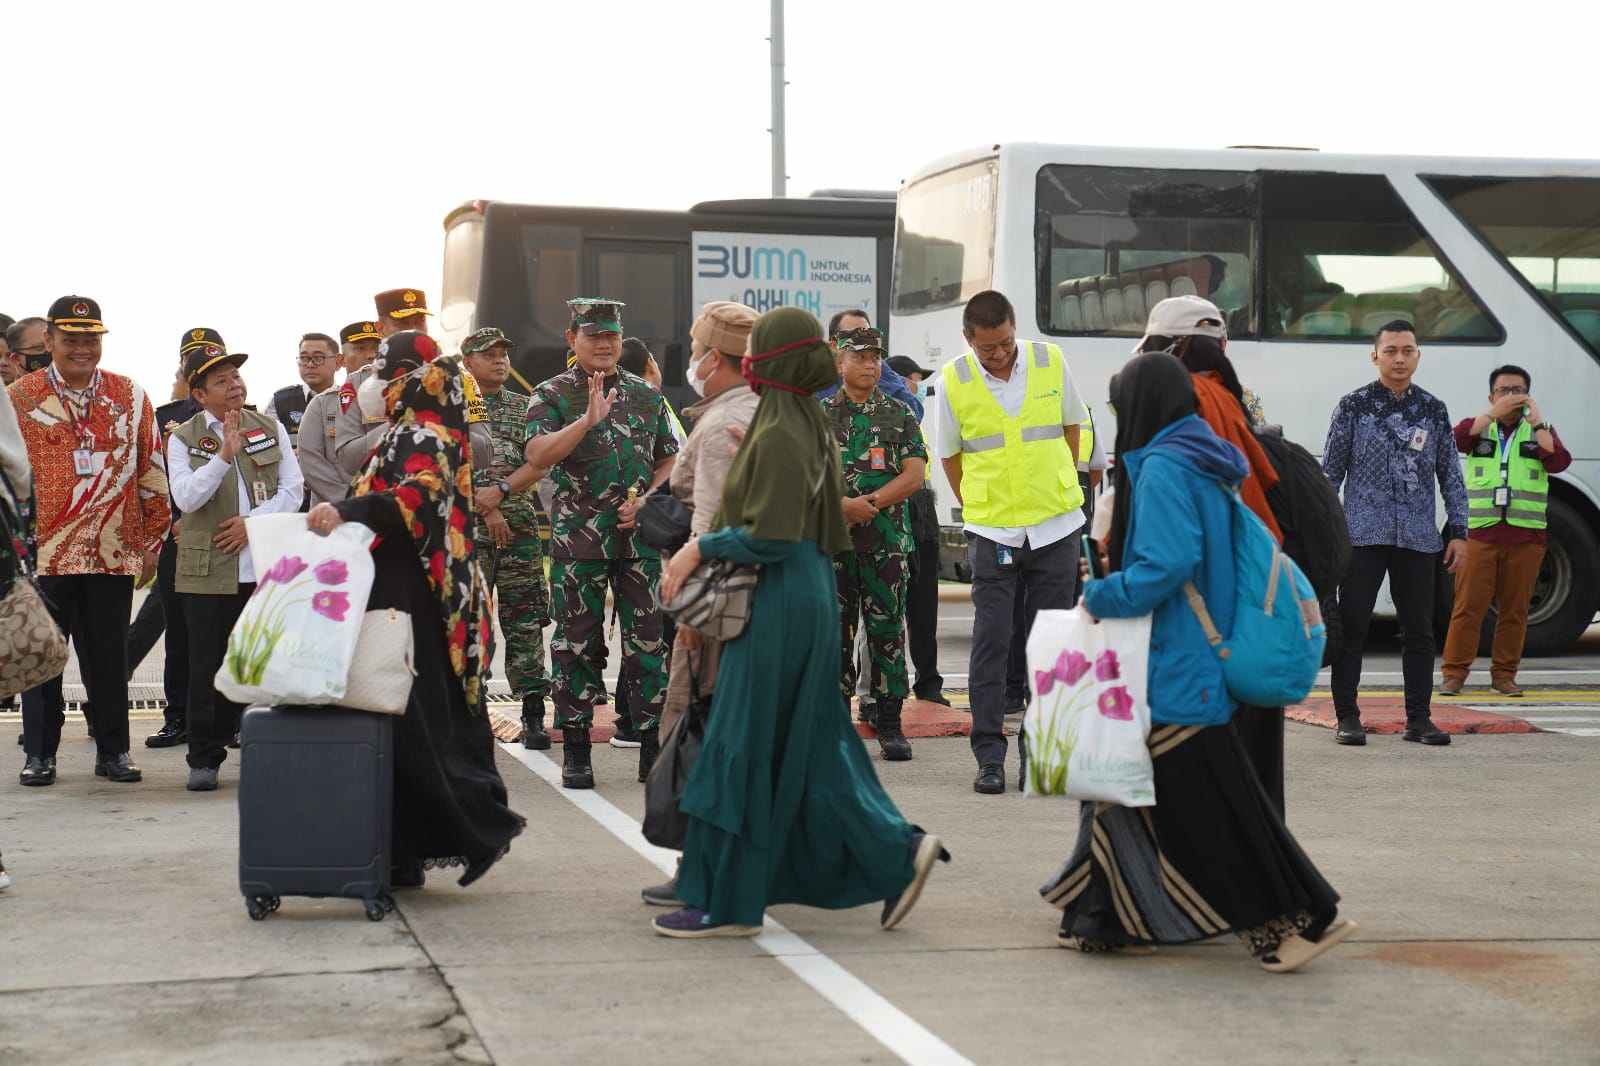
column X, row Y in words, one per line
column 416, row 493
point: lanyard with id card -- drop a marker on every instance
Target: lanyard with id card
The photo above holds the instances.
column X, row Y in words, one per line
column 83, row 454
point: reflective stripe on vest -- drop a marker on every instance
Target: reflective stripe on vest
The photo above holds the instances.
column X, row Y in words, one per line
column 1014, row 471
column 1523, row 477
column 1085, row 441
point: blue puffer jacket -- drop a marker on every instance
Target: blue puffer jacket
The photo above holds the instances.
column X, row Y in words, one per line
column 1180, row 530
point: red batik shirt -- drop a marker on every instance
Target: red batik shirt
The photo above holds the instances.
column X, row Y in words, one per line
column 101, row 523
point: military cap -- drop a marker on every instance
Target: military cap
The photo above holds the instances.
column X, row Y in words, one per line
column 401, row 303
column 725, row 326
column 481, row 340
column 905, row 366
column 864, row 339
column 596, row 314
column 360, row 331
column 404, row 352
column 199, row 359
column 200, row 337
column 76, row 314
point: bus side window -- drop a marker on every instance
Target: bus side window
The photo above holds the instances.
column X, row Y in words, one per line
column 1344, row 257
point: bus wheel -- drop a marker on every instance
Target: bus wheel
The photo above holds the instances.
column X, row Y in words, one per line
column 1567, row 591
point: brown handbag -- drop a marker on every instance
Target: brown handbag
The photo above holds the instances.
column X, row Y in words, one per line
column 32, row 648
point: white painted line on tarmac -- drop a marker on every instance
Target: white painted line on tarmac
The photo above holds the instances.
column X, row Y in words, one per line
column 882, row 1020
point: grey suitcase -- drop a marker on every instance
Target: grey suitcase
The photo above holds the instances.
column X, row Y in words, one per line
column 316, row 806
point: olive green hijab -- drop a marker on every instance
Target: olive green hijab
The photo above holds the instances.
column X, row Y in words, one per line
column 785, row 483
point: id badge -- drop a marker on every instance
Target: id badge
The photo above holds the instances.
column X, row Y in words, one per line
column 259, row 490
column 83, row 461
column 1502, row 496
column 1419, row 439
column 879, row 459
column 1002, row 555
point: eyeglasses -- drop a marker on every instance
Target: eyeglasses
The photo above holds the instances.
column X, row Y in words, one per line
column 313, row 360
column 1511, row 390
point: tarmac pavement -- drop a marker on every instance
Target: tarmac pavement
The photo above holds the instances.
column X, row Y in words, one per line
column 1472, row 870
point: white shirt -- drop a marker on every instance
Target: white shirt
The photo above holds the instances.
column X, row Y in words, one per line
column 1010, row 394
column 192, row 488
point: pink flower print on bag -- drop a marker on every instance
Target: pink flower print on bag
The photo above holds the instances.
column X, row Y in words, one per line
column 1070, row 667
column 1117, row 704
column 1106, row 666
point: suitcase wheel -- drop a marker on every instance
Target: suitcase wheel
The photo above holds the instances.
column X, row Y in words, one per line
column 261, row 906
column 378, row 909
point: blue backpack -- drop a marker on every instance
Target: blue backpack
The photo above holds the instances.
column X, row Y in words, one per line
column 1272, row 656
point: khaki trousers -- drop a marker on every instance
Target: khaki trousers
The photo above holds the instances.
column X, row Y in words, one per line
column 703, row 661
column 1501, row 574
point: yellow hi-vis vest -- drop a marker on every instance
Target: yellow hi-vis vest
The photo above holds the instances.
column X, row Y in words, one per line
column 1086, row 440
column 1491, row 468
column 1014, row 471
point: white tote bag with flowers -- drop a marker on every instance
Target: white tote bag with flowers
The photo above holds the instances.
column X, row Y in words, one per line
column 1088, row 727
column 296, row 638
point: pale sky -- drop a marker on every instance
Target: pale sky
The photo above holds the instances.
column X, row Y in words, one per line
column 264, row 169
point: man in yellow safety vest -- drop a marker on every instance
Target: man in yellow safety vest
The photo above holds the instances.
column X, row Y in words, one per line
column 1008, row 439
column 1511, row 452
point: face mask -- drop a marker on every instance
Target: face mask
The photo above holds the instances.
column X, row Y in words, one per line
column 369, row 397
column 922, row 390
column 696, row 382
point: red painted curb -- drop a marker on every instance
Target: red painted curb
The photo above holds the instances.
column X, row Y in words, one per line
column 1387, row 714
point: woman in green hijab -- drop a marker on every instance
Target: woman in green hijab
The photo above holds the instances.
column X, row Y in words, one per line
column 784, row 805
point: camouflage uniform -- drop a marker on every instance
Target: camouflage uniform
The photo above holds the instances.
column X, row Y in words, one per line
column 517, row 570
column 875, row 440
column 588, row 552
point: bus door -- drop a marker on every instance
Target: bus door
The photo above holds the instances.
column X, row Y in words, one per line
column 652, row 278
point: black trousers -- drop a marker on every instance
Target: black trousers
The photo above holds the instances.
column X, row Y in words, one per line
column 161, row 612
column 94, row 608
column 213, row 719
column 1260, row 732
column 1042, row 579
column 1022, row 612
column 922, row 619
column 1411, row 578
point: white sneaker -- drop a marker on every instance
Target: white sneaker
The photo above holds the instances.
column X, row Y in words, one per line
column 618, row 742
column 5, row 880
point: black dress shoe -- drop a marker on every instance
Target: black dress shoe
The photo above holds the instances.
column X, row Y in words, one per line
column 1427, row 733
column 118, row 768
column 936, row 696
column 991, row 779
column 168, row 736
column 1350, row 732
column 38, row 771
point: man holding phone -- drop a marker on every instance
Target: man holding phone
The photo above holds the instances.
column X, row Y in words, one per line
column 1511, row 452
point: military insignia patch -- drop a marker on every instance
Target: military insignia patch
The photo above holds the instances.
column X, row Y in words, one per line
column 210, row 444
column 80, row 309
column 347, row 396
column 409, row 298
column 197, row 334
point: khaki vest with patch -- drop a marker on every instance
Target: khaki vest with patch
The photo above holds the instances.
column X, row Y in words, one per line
column 201, row 567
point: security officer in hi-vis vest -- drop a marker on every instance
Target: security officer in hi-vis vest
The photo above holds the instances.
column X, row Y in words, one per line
column 225, row 464
column 1008, row 439
column 1511, row 452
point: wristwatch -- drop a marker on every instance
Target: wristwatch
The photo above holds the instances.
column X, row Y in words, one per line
column 1547, row 427
column 504, row 486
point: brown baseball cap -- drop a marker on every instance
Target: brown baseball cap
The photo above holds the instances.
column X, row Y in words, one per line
column 725, row 326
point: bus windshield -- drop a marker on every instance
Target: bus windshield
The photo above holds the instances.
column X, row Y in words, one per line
column 944, row 238
column 1548, row 229
column 463, row 263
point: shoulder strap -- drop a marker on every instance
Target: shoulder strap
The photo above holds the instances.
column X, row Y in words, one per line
column 1197, row 604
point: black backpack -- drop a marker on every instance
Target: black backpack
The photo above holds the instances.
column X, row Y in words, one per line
column 1308, row 510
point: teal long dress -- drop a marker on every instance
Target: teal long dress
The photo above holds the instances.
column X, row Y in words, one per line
column 783, row 804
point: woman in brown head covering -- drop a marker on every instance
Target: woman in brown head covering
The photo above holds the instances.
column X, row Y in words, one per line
column 783, row 803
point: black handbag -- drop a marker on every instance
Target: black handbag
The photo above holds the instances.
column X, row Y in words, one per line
column 664, row 520
column 665, row 824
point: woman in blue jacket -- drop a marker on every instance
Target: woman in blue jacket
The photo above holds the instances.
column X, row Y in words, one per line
column 1213, row 856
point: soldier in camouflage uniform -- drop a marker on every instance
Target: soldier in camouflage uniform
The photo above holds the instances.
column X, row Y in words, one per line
column 884, row 460
column 604, row 434
column 511, row 556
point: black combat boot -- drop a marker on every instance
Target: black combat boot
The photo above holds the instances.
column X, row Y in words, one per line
column 576, row 772
column 649, row 748
column 533, row 735
column 891, row 741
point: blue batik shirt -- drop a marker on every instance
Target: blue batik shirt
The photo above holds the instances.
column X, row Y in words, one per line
column 1388, row 452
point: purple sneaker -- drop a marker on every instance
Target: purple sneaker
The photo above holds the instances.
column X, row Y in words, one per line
column 691, row 923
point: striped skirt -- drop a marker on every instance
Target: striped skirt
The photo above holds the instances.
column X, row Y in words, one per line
column 1212, row 857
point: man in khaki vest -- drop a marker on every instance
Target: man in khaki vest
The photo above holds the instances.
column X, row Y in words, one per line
column 225, row 464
